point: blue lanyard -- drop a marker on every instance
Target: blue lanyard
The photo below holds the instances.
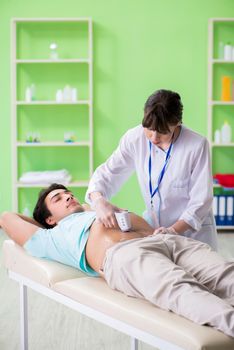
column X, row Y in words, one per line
column 152, row 193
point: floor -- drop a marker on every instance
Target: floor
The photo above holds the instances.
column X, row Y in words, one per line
column 55, row 327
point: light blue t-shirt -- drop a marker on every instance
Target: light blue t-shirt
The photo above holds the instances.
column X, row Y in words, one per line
column 65, row 242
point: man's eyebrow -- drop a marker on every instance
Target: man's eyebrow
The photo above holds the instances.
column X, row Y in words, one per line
column 57, row 194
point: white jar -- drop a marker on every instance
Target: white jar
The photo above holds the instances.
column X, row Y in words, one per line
column 28, row 94
column 217, row 136
column 59, row 96
column 53, row 51
column 74, row 94
column 67, row 94
column 228, row 52
column 226, row 133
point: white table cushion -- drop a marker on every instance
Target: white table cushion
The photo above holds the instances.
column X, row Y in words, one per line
column 95, row 293
column 43, row 271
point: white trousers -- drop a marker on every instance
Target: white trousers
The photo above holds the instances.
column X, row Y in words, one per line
column 175, row 273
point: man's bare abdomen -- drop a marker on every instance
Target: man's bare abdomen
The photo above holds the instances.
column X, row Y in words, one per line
column 102, row 238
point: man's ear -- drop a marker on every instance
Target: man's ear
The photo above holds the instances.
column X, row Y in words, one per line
column 50, row 221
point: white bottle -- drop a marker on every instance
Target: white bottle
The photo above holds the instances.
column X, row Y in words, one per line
column 32, row 87
column 228, row 52
column 28, row 94
column 217, row 136
column 53, row 51
column 226, row 132
column 74, row 94
column 59, row 96
column 67, row 93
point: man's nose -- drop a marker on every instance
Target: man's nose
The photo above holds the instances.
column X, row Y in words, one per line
column 68, row 198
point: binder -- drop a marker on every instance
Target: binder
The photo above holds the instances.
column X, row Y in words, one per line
column 215, row 208
column 222, row 211
column 229, row 210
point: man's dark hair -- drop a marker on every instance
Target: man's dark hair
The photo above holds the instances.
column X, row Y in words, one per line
column 162, row 109
column 41, row 212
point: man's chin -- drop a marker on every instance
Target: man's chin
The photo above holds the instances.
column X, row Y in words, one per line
column 76, row 209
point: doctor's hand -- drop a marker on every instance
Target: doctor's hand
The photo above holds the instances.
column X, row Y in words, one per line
column 105, row 212
column 165, row 230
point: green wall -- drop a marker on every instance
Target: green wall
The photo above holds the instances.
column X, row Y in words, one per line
column 139, row 46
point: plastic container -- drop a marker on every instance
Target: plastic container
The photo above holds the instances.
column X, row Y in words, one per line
column 53, row 51
column 74, row 94
column 67, row 94
column 28, row 94
column 228, row 52
column 226, row 132
column 59, row 96
column 217, row 136
column 226, row 88
column 33, row 92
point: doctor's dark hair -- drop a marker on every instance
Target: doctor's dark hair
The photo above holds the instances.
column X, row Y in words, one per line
column 162, row 109
column 41, row 212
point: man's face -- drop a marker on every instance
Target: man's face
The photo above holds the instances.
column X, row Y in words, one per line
column 61, row 203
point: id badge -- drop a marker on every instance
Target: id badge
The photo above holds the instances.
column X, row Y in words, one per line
column 154, row 217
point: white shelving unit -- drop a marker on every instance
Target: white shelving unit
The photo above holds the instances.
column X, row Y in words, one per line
column 214, row 61
column 18, row 61
column 78, row 60
column 52, row 143
column 52, row 103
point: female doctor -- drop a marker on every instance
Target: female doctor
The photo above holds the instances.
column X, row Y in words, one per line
column 172, row 164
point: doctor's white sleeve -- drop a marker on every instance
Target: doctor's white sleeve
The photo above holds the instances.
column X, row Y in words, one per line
column 111, row 175
column 200, row 189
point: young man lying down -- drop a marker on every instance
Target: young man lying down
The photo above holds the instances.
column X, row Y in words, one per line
column 172, row 272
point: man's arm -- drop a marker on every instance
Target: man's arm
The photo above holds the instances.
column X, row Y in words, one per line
column 18, row 227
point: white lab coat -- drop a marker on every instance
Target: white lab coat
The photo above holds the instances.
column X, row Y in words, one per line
column 186, row 190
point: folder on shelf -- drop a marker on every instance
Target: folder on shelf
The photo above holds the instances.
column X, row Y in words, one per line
column 223, row 208
column 230, row 210
column 222, row 211
column 215, row 208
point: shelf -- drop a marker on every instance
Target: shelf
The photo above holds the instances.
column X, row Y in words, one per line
column 221, row 19
column 31, row 63
column 59, row 20
column 230, row 144
column 224, row 103
column 53, row 144
column 225, row 227
column 35, row 103
column 78, row 60
column 218, row 60
column 220, row 31
column 217, row 186
column 83, row 183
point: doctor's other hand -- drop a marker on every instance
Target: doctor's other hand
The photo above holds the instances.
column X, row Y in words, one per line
column 165, row 230
column 105, row 212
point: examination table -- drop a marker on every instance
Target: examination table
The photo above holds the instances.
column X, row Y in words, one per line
column 92, row 297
